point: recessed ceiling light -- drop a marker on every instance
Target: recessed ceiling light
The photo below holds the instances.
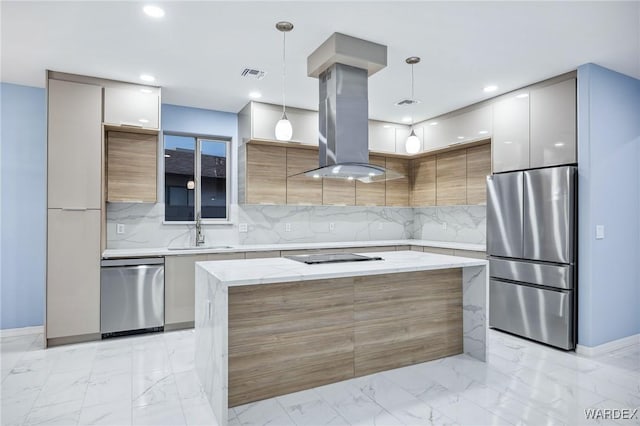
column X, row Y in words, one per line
column 406, row 119
column 433, row 123
column 255, row 95
column 522, row 95
column 491, row 88
column 146, row 90
column 483, row 132
column 558, row 144
column 153, row 11
column 147, row 77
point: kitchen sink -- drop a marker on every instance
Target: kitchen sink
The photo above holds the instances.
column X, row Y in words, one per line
column 200, row 248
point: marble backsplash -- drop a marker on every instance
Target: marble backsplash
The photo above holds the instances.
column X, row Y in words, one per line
column 270, row 224
column 460, row 224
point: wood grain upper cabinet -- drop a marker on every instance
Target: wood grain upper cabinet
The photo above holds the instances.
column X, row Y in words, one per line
column 478, row 168
column 371, row 194
column 553, row 125
column 266, row 174
column 73, row 272
column 131, row 167
column 74, row 145
column 302, row 189
column 338, row 192
column 451, row 172
column 132, row 105
column 511, row 133
column 398, row 189
column 423, row 181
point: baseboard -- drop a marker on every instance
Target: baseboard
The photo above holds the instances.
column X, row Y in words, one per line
column 179, row 326
column 23, row 331
column 605, row 348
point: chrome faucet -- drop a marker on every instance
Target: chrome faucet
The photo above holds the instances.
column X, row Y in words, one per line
column 199, row 234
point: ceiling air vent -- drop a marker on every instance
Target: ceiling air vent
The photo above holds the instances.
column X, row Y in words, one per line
column 253, row 73
column 407, row 102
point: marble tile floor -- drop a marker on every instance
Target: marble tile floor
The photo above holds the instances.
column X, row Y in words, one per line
column 150, row 380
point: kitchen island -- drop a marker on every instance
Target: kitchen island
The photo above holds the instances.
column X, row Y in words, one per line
column 267, row 327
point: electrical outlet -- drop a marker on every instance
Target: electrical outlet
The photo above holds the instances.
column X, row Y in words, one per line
column 287, row 227
column 120, row 228
column 332, row 226
column 599, row 232
column 444, row 226
column 243, row 227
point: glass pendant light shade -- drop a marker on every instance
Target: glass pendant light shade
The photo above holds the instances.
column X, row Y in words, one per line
column 412, row 145
column 284, row 130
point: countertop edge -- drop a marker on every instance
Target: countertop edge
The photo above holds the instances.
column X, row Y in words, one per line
column 164, row 251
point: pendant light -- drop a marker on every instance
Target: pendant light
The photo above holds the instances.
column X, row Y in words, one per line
column 412, row 145
column 284, row 131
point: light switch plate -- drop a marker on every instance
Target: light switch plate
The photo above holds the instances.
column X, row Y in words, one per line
column 243, row 227
column 287, row 227
column 599, row 232
column 120, row 228
column 332, row 226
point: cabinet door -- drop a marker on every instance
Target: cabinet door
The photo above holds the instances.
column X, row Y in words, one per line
column 134, row 106
column 265, row 116
column 478, row 168
column 266, row 175
column 451, row 178
column 553, row 125
column 402, row 133
column 179, row 285
column 469, row 126
column 382, row 136
column 338, row 192
column 131, row 167
column 423, row 181
column 73, row 272
column 74, row 145
column 371, row 194
column 511, row 133
column 302, row 189
column 398, row 189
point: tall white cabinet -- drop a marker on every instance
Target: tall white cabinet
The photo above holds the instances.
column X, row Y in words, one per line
column 74, row 204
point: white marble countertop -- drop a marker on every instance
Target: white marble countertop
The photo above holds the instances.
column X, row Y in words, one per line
column 235, row 273
column 165, row 251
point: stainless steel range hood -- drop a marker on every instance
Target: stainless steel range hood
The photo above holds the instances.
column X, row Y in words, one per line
column 342, row 65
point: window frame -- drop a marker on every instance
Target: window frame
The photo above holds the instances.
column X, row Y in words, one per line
column 197, row 164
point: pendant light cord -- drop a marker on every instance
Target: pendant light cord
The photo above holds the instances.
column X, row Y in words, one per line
column 284, row 71
column 413, row 107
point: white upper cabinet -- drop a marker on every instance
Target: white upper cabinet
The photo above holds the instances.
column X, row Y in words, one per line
column 510, row 142
column 553, row 124
column 263, row 119
column 468, row 126
column 382, row 136
column 132, row 105
column 74, row 145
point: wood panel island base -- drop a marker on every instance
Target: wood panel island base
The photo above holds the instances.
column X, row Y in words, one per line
column 268, row 327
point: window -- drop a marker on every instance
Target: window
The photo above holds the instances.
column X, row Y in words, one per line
column 195, row 178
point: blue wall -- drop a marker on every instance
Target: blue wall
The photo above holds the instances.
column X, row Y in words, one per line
column 609, row 191
column 23, row 210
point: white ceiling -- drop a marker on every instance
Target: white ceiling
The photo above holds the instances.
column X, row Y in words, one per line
column 198, row 49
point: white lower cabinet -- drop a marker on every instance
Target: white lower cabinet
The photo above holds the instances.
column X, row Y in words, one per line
column 179, row 286
column 73, row 273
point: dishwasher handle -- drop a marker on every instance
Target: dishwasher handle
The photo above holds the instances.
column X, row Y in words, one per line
column 132, row 262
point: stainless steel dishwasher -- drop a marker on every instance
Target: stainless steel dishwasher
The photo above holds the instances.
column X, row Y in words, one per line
column 131, row 296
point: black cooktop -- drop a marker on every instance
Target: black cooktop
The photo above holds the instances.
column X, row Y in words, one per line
column 312, row 259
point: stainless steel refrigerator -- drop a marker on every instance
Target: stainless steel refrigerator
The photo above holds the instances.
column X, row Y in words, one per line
column 532, row 247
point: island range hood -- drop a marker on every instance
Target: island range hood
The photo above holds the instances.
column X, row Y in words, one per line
column 342, row 65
